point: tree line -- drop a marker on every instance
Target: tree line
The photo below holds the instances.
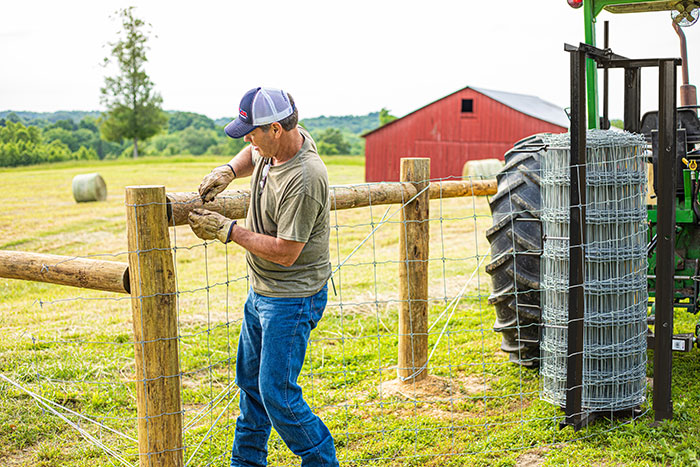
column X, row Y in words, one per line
column 28, row 138
column 22, row 144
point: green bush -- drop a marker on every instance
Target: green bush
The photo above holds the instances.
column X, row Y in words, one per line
column 21, row 145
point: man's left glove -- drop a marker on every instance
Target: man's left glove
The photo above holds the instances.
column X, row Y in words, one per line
column 216, row 182
column 209, row 225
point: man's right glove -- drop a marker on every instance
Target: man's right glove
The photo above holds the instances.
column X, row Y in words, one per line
column 209, row 225
column 216, row 182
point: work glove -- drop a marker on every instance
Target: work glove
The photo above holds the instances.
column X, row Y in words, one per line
column 209, row 225
column 216, row 182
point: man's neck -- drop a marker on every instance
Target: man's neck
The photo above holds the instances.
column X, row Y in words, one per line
column 291, row 143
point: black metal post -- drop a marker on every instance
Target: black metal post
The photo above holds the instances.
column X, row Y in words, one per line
column 605, row 123
column 577, row 232
column 666, row 235
column 633, row 100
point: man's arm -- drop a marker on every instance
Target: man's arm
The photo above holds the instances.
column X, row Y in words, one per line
column 277, row 250
column 209, row 225
column 242, row 162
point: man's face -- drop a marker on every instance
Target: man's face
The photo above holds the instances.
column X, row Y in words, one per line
column 265, row 142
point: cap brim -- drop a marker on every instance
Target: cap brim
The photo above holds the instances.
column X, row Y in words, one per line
column 238, row 129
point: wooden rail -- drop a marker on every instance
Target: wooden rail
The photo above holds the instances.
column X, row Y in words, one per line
column 112, row 276
column 109, row 276
column 234, row 203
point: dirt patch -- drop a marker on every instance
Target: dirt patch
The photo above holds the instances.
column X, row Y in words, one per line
column 460, row 398
column 435, row 388
column 23, row 457
column 533, row 458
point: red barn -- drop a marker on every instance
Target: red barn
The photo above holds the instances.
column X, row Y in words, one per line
column 470, row 124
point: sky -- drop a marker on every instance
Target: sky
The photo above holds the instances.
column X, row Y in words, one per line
column 334, row 57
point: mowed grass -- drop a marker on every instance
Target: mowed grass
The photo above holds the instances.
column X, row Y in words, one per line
column 74, row 347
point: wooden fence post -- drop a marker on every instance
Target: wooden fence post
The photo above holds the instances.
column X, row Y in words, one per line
column 414, row 241
column 153, row 302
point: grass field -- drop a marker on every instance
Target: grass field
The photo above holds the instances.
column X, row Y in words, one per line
column 75, row 346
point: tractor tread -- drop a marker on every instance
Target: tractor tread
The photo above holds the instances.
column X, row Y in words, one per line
column 516, row 243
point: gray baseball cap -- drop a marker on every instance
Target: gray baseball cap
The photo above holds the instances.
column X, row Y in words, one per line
column 259, row 106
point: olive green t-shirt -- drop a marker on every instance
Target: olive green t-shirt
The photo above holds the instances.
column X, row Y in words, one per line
column 291, row 203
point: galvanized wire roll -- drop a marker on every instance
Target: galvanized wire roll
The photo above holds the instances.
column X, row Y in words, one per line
column 615, row 269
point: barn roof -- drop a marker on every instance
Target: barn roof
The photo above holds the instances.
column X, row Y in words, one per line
column 529, row 105
column 523, row 103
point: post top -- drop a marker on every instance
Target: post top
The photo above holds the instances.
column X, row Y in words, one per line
column 145, row 187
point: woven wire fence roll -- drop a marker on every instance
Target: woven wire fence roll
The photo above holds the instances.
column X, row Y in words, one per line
column 615, row 270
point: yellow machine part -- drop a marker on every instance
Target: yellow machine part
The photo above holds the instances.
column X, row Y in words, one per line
column 665, row 5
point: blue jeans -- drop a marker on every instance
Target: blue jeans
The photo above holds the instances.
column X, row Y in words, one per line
column 271, row 350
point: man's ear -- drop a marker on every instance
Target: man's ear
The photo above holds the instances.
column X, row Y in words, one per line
column 276, row 129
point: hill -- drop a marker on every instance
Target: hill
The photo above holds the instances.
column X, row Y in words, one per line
column 355, row 124
column 37, row 118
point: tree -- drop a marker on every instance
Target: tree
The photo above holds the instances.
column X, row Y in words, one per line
column 133, row 108
column 89, row 123
column 68, row 125
column 196, row 141
column 228, row 147
column 331, row 142
column 385, row 117
column 180, row 120
column 61, row 134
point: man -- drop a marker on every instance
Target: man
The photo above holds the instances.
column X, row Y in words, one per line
column 286, row 241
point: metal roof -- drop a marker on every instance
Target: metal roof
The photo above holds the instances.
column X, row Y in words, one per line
column 529, row 105
column 523, row 103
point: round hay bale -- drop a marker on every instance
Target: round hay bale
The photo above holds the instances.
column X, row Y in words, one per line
column 89, row 187
column 482, row 169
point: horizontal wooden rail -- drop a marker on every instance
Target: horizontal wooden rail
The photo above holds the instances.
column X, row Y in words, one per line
column 109, row 276
column 234, row 204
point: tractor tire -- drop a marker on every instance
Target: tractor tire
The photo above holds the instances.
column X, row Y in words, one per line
column 516, row 248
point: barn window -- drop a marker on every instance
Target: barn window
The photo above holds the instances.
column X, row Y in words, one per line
column 467, row 106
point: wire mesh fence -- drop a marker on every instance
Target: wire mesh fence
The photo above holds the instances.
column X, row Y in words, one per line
column 615, row 265
column 475, row 406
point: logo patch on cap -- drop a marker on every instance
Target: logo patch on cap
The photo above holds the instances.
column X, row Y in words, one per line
column 243, row 113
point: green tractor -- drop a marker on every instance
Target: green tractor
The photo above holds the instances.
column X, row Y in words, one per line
column 516, row 234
